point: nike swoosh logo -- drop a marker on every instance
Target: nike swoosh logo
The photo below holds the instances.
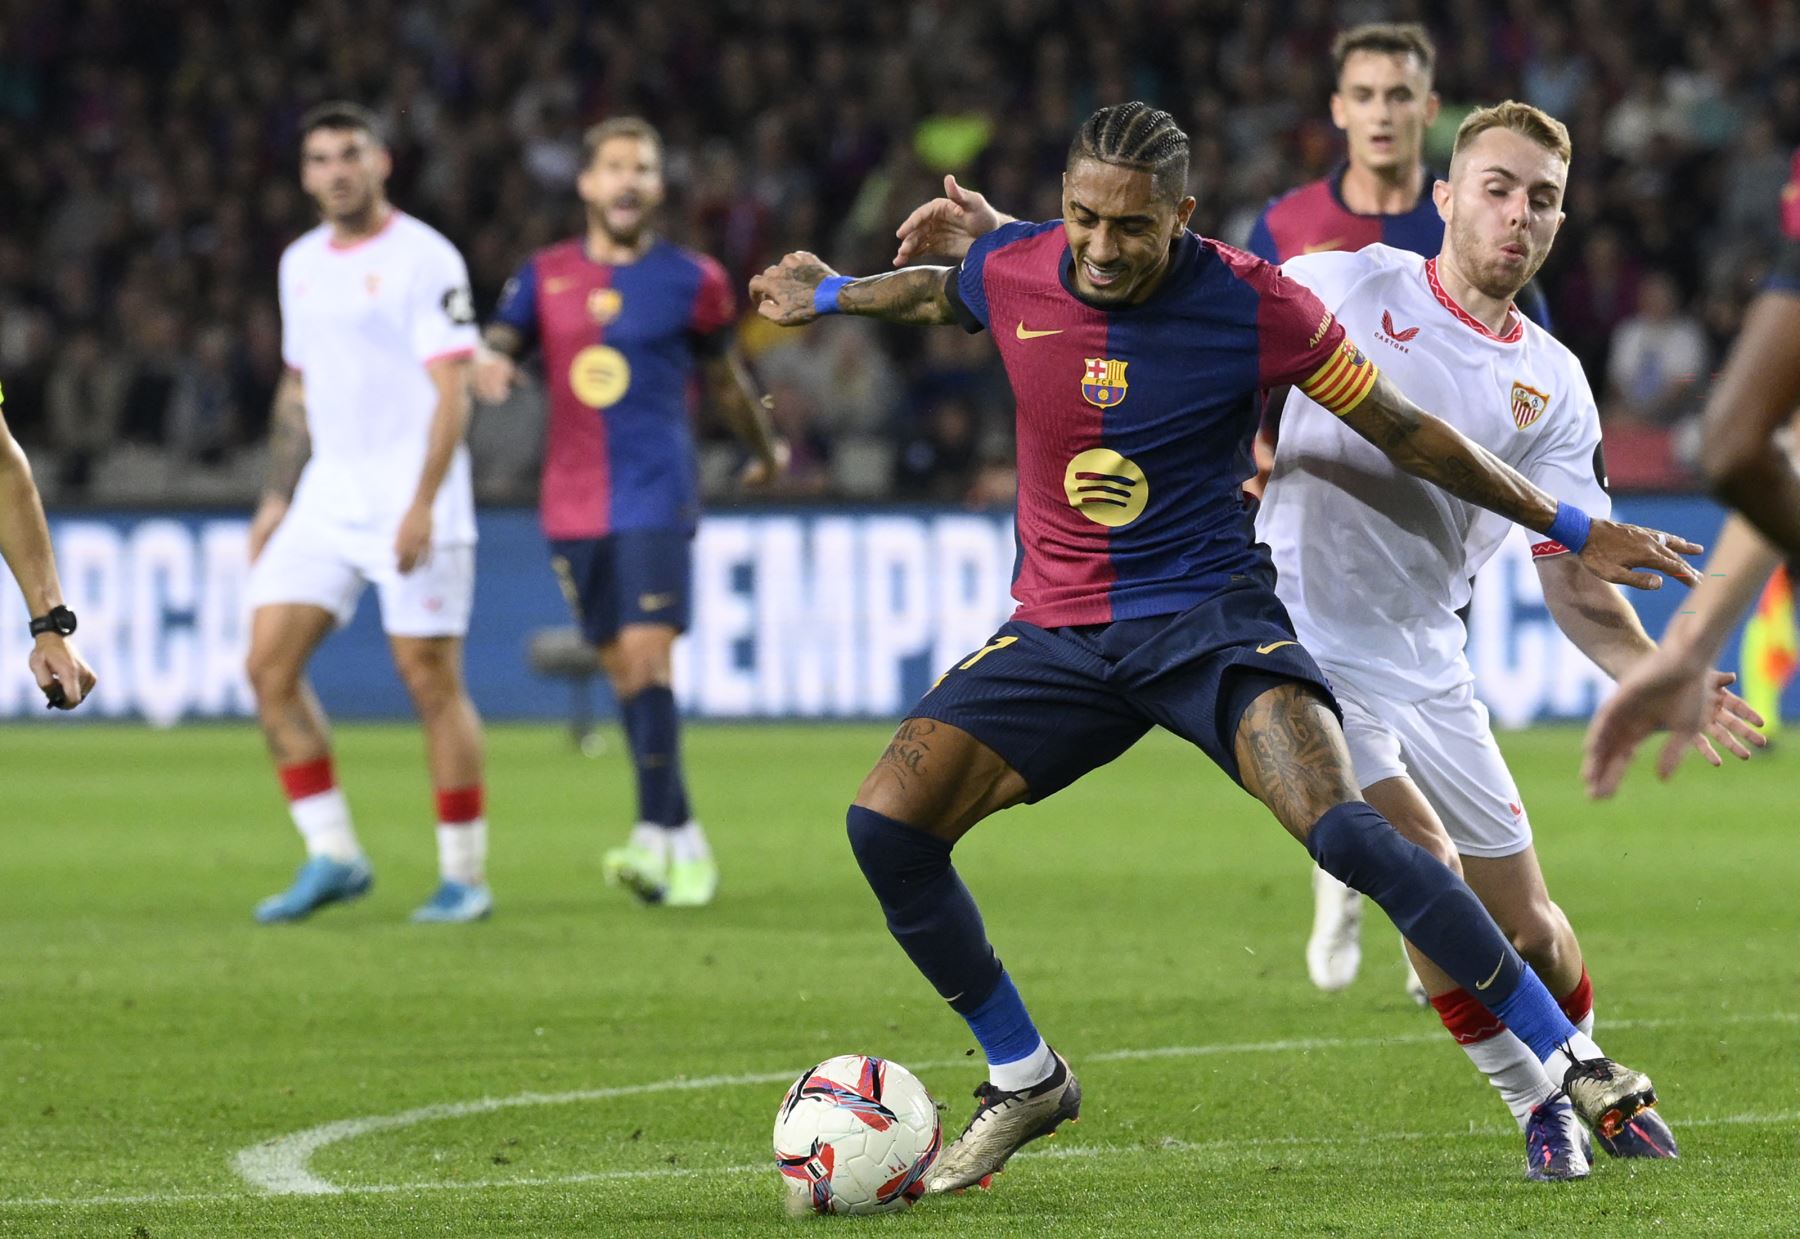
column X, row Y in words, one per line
column 1321, row 247
column 1273, row 646
column 1492, row 975
column 654, row 602
column 1026, row 333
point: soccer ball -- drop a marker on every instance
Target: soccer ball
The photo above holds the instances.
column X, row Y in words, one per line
column 855, row 1135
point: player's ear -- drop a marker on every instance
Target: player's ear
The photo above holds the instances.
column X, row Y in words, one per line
column 1441, row 194
column 1432, row 103
column 1184, row 211
column 1339, row 117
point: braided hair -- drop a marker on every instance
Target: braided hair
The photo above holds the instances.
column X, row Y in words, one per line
column 1136, row 135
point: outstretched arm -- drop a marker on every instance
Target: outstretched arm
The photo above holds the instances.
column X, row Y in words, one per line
column 1669, row 688
column 1430, row 448
column 1755, row 396
column 1596, row 617
column 800, row 288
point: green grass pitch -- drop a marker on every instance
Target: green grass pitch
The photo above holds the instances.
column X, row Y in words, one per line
column 582, row 1066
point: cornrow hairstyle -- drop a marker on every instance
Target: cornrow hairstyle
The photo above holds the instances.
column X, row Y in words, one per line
column 1136, row 135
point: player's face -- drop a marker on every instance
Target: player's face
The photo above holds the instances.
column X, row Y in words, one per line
column 1384, row 103
column 1501, row 208
column 1119, row 230
column 344, row 171
column 622, row 186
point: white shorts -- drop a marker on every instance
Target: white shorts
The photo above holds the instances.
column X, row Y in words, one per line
column 1445, row 746
column 318, row 563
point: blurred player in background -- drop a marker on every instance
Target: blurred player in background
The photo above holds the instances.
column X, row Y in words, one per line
column 25, row 543
column 623, row 319
column 1136, row 351
column 1377, row 601
column 368, row 484
column 1749, row 454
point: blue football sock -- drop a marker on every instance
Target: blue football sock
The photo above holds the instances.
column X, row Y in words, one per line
column 653, row 730
column 934, row 918
column 1437, row 912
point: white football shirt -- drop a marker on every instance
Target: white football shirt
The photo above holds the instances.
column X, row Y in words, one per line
column 361, row 323
column 1374, row 563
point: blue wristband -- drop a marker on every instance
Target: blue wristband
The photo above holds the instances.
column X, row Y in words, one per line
column 825, row 296
column 1570, row 526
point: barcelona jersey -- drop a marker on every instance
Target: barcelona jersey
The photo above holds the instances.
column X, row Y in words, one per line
column 1313, row 219
column 620, row 344
column 1134, row 422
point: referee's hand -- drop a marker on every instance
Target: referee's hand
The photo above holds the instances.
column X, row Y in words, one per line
column 64, row 677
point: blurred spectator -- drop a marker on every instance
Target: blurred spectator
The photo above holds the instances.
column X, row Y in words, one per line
column 152, row 170
column 1658, row 355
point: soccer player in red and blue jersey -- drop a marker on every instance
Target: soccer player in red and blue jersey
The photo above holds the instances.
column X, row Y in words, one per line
column 623, row 320
column 1136, row 351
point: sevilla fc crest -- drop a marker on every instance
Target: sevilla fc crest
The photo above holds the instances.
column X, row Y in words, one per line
column 1103, row 381
column 1528, row 404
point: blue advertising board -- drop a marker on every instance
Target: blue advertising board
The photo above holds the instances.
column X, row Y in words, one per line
column 814, row 613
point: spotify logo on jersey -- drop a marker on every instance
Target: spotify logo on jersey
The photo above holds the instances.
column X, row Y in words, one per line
column 1105, row 487
column 599, row 376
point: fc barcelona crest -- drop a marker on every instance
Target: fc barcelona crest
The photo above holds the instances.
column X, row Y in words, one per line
column 1103, row 382
column 604, row 304
column 1528, row 404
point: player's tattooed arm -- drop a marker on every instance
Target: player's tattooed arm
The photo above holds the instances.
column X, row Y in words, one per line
column 1753, row 399
column 1430, row 448
column 917, row 296
column 290, row 445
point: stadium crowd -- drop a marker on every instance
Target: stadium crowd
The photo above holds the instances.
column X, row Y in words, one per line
column 151, row 157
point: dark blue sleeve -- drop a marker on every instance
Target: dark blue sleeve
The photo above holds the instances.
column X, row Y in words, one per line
column 518, row 303
column 1262, row 241
column 969, row 288
column 1534, row 305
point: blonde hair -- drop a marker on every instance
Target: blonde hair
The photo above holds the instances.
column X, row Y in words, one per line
column 1533, row 123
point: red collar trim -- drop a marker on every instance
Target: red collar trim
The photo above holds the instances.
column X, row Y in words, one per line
column 1513, row 336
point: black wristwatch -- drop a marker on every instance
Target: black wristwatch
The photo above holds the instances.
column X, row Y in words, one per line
column 58, row 619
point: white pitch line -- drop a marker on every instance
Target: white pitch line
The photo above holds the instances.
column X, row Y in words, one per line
column 279, row 1167
column 1065, row 1152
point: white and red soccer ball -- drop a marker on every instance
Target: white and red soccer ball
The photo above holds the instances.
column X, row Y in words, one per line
column 856, row 1135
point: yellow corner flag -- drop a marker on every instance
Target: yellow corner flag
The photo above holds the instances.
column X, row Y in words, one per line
column 1771, row 650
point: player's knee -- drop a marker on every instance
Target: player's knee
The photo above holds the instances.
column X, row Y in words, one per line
column 892, row 855
column 1540, row 936
column 431, row 681
column 272, row 675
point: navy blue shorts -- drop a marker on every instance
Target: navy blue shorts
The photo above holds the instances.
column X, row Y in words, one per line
column 635, row 576
column 1055, row 703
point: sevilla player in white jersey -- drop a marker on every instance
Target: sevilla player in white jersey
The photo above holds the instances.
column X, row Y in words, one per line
column 1373, row 566
column 369, row 484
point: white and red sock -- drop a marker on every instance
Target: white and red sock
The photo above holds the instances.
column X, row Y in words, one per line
column 1496, row 1051
column 1578, row 1004
column 462, row 835
column 320, row 812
